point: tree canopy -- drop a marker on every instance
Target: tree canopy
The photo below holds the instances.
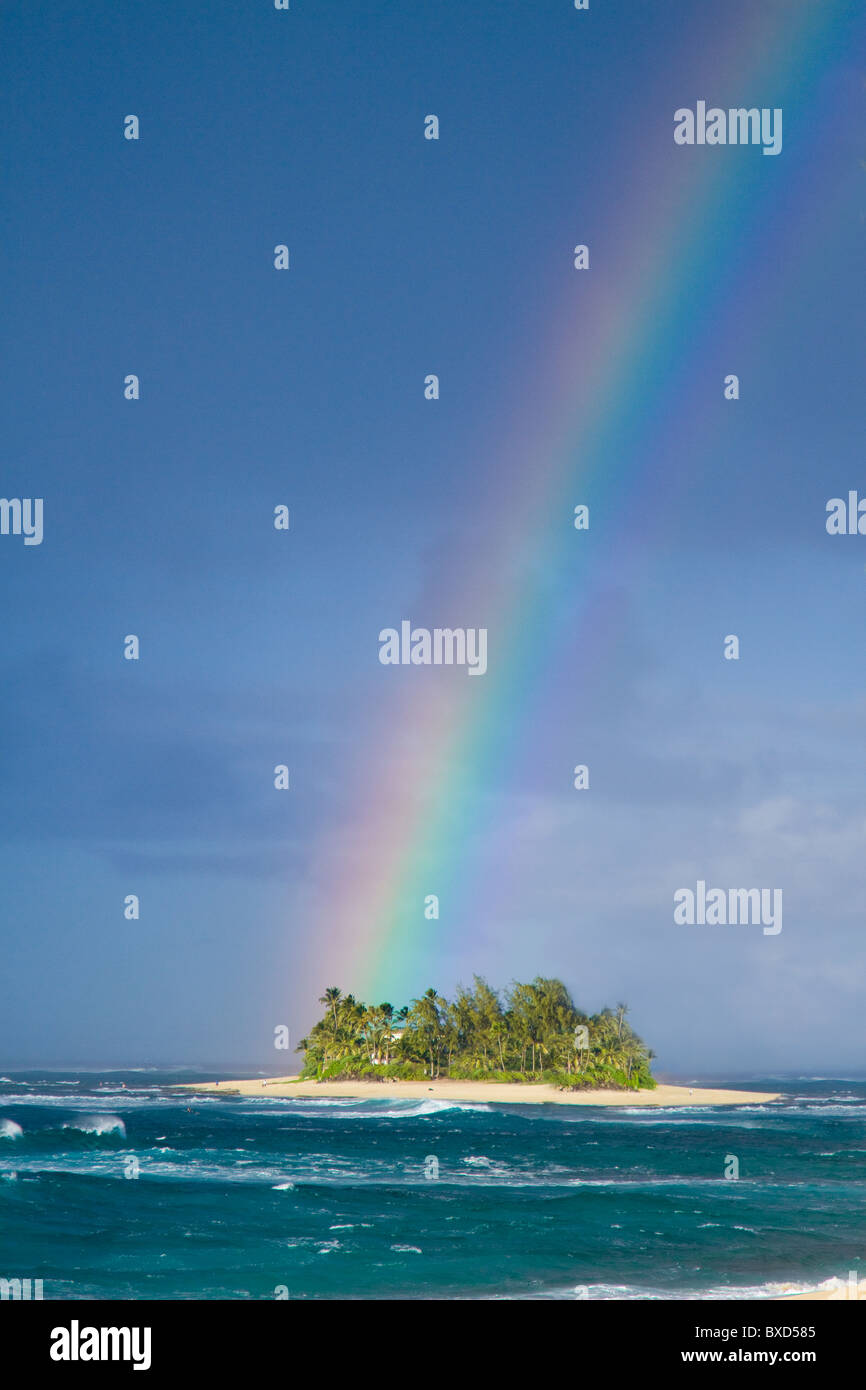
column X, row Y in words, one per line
column 529, row 1032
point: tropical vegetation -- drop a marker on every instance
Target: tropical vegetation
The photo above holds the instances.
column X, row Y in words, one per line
column 529, row 1032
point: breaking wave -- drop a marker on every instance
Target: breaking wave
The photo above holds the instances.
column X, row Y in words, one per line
column 98, row 1124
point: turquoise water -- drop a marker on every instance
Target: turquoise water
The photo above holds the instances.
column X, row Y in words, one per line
column 239, row 1198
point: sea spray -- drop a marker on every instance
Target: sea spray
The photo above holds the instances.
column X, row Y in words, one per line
column 98, row 1124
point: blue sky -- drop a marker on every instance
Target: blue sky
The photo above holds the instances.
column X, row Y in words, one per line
column 408, row 256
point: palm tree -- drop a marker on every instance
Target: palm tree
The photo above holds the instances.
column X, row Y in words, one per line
column 398, row 1022
column 330, row 999
column 386, row 1014
column 428, row 1021
column 377, row 1031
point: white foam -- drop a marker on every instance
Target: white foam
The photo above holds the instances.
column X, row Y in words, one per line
column 351, row 1108
column 99, row 1124
column 10, row 1130
column 717, row 1292
column 77, row 1103
column 414, row 1110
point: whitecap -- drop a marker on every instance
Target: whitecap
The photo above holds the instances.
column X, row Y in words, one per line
column 351, row 1108
column 10, row 1130
column 837, row 1288
column 415, row 1110
column 99, row 1124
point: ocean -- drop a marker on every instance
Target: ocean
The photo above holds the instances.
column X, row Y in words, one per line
column 239, row 1198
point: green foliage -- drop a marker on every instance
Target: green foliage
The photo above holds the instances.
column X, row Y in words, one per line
column 350, row 1069
column 532, row 1032
column 462, row 1071
column 404, row 1071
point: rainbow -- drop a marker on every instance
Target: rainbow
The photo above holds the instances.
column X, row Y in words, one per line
column 596, row 416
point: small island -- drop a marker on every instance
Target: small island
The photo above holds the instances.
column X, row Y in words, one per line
column 528, row 1044
column 534, row 1034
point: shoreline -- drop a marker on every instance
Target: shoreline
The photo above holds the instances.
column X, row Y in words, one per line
column 495, row 1092
column 841, row 1292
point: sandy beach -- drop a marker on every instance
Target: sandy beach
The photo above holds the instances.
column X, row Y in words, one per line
column 839, row 1291
column 499, row 1093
